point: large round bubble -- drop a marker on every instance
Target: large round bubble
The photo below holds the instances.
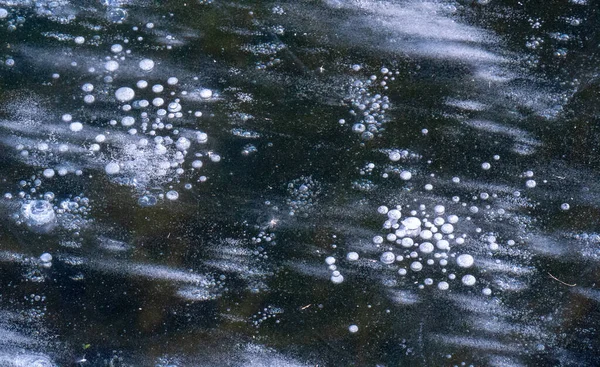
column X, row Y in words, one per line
column 39, row 215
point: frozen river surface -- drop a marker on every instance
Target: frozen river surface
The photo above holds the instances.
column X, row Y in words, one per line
column 299, row 183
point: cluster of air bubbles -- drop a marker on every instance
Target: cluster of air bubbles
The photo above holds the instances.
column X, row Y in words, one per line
column 264, row 235
column 249, row 149
column 336, row 276
column 141, row 146
column 246, row 257
column 270, row 48
column 402, row 155
column 210, row 290
column 530, row 182
column 267, row 313
column 246, row 134
column 561, row 37
column 42, row 213
column 204, row 289
column 266, row 50
column 10, row 19
column 278, row 10
column 368, row 107
column 573, row 21
column 35, row 271
column 240, row 117
column 168, row 361
column 303, row 193
column 363, row 185
column 424, row 242
column 367, row 169
column 115, row 12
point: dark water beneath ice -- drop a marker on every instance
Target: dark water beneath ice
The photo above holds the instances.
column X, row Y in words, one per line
column 302, row 183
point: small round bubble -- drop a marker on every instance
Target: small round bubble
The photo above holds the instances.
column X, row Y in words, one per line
column 48, row 173
column 46, row 257
column 352, row 256
column 426, row 234
column 447, row 228
column 387, row 258
column 206, row 93
column 183, row 143
column 405, row 175
column 412, row 223
column 76, row 126
column 416, row 266
column 443, row 245
column 465, row 260
column 426, row 247
column 358, row 128
column 394, row 214
column 112, row 168
column 201, row 137
column 111, row 65
column 172, row 195
column 127, row 121
column 337, row 279
column 469, row 280
column 407, row 242
column 146, row 64
column 124, row 94
column 116, row 48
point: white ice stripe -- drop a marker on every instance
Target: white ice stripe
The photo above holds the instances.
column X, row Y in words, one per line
column 150, row 271
column 504, row 267
column 487, row 344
